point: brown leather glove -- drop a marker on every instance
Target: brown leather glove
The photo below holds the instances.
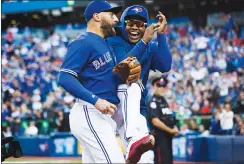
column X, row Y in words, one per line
column 129, row 70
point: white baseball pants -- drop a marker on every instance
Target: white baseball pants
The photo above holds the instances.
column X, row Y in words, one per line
column 131, row 123
column 96, row 133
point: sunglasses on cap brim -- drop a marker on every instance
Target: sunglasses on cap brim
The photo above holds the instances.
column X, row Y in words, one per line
column 138, row 23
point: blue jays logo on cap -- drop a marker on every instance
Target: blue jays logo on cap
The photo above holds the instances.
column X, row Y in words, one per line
column 138, row 9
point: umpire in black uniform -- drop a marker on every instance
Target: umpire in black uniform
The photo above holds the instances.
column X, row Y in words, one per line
column 162, row 123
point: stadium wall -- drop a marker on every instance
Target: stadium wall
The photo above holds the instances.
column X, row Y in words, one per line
column 190, row 148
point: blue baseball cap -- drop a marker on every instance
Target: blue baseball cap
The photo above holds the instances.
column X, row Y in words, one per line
column 98, row 6
column 137, row 12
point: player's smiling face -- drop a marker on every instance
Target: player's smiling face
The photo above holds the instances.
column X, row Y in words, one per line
column 108, row 21
column 135, row 30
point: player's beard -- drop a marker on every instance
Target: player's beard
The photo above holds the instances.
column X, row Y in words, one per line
column 107, row 29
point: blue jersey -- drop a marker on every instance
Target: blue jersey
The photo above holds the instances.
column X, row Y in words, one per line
column 154, row 56
column 90, row 60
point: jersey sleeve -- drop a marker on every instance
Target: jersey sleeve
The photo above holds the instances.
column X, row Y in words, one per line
column 122, row 49
column 76, row 57
column 138, row 50
column 161, row 56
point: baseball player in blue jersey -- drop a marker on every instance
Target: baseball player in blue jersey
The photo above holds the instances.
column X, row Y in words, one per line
column 152, row 56
column 86, row 73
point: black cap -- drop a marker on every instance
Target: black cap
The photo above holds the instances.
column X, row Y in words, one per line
column 160, row 82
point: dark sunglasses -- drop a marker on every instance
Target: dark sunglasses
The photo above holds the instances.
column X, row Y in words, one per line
column 131, row 23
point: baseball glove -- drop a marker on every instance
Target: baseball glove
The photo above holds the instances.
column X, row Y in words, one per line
column 129, row 70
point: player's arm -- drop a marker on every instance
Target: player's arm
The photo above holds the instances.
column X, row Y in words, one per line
column 74, row 61
column 137, row 50
column 162, row 58
column 141, row 46
column 119, row 46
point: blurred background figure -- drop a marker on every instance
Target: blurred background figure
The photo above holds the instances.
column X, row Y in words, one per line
column 215, row 123
column 162, row 122
column 31, row 130
column 226, row 119
column 239, row 104
column 184, row 130
column 203, row 130
column 238, row 126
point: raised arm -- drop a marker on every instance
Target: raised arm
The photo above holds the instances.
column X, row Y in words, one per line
column 122, row 49
column 162, row 58
column 141, row 46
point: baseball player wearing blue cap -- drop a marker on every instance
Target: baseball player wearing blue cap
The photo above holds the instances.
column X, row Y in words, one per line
column 86, row 73
column 152, row 56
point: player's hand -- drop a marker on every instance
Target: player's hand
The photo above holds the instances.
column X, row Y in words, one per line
column 149, row 32
column 162, row 22
column 174, row 132
column 105, row 107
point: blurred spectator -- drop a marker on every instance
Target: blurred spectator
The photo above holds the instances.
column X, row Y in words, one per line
column 193, row 126
column 15, row 119
column 242, row 130
column 239, row 105
column 206, row 107
column 63, row 122
column 8, row 132
column 184, row 130
column 215, row 123
column 203, row 130
column 226, row 119
column 6, row 113
column 32, row 130
column 238, row 125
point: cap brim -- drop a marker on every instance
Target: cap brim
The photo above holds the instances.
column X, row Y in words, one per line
column 114, row 10
column 136, row 17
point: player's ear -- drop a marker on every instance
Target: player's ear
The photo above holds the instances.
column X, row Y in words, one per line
column 97, row 17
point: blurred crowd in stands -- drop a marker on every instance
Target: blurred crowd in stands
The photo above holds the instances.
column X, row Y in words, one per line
column 207, row 78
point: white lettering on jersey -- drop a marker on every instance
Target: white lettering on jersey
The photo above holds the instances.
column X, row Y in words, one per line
column 107, row 57
column 166, row 111
column 96, row 64
column 102, row 60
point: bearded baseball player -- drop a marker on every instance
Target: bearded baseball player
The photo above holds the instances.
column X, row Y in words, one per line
column 86, row 73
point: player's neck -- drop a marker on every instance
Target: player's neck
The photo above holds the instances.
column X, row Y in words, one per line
column 94, row 29
column 157, row 93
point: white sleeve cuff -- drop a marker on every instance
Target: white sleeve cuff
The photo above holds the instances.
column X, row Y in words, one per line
column 144, row 42
column 68, row 71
